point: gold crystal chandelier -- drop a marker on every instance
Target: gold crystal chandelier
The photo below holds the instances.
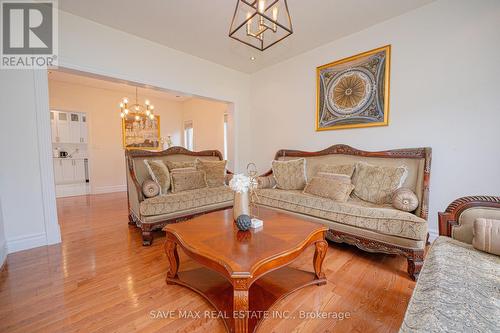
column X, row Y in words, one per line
column 138, row 111
column 261, row 23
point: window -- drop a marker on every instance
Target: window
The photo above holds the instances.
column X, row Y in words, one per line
column 188, row 135
column 225, row 136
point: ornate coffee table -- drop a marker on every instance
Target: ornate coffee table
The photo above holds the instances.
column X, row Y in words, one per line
column 244, row 273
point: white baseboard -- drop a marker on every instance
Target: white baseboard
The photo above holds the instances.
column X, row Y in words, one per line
column 109, row 189
column 26, row 242
column 3, row 253
column 433, row 234
column 70, row 190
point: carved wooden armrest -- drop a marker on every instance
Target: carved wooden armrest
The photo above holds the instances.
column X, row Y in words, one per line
column 451, row 215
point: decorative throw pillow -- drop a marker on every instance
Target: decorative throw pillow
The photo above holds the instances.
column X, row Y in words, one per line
column 266, row 182
column 189, row 180
column 214, row 170
column 179, row 165
column 335, row 176
column 377, row 183
column 329, row 188
column 486, row 235
column 290, row 175
column 404, row 199
column 150, row 188
column 159, row 173
column 344, row 169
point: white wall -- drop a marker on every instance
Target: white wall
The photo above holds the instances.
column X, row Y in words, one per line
column 3, row 241
column 208, row 123
column 105, row 150
column 444, row 94
column 88, row 46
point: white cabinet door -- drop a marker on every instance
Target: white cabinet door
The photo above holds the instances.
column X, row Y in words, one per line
column 79, row 171
column 63, row 127
column 58, row 177
column 74, row 128
column 83, row 128
column 53, row 125
column 68, row 171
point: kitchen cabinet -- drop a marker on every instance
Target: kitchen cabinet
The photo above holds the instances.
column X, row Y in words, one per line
column 69, row 171
column 68, row 127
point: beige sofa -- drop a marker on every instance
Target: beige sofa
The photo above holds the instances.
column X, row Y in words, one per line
column 153, row 213
column 458, row 288
column 371, row 227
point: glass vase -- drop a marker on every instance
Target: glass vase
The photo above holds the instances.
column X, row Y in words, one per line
column 241, row 204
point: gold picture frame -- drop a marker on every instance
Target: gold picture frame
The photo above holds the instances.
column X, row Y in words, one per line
column 143, row 134
column 354, row 92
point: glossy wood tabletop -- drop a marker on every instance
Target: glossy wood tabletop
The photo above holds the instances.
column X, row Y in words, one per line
column 216, row 236
column 101, row 279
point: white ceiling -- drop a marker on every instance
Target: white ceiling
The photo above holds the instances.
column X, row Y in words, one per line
column 127, row 88
column 200, row 27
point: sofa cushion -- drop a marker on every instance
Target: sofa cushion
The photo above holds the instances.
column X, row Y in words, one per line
column 215, row 171
column 377, row 183
column 456, row 291
column 487, row 235
column 404, row 199
column 343, row 169
column 179, row 164
column 185, row 181
column 290, row 175
column 159, row 173
column 344, row 179
column 334, row 189
column 150, row 188
column 266, row 182
column 383, row 219
column 172, row 202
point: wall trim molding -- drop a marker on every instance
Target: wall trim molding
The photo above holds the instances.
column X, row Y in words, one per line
column 42, row 114
column 26, row 242
column 3, row 253
column 109, row 189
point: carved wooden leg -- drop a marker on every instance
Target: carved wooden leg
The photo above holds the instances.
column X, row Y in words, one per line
column 415, row 262
column 173, row 259
column 147, row 237
column 240, row 310
column 319, row 256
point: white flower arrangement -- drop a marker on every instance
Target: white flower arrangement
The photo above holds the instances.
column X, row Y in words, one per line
column 240, row 183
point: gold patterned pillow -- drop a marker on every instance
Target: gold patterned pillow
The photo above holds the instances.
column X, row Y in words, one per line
column 188, row 180
column 344, row 169
column 377, row 183
column 335, row 176
column 404, row 199
column 159, row 173
column 150, row 188
column 179, row 164
column 334, row 189
column 214, row 170
column 266, row 182
column 290, row 175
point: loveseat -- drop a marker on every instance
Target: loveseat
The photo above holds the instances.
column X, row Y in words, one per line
column 458, row 288
column 370, row 227
column 153, row 213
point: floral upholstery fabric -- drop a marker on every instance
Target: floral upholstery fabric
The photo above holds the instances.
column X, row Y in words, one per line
column 266, row 182
column 159, row 173
column 344, row 179
column 184, row 181
column 334, row 189
column 179, row 164
column 377, row 183
column 174, row 202
column 344, row 169
column 290, row 175
column 457, row 291
column 215, row 171
column 382, row 219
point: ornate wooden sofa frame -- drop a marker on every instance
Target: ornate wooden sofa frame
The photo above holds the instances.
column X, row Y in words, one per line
column 415, row 257
column 134, row 187
column 451, row 216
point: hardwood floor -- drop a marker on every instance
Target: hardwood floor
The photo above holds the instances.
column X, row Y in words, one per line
column 101, row 279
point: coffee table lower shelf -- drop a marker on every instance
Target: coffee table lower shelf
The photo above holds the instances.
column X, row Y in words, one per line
column 262, row 295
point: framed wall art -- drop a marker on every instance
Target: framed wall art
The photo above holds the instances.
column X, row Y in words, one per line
column 354, row 92
column 143, row 133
